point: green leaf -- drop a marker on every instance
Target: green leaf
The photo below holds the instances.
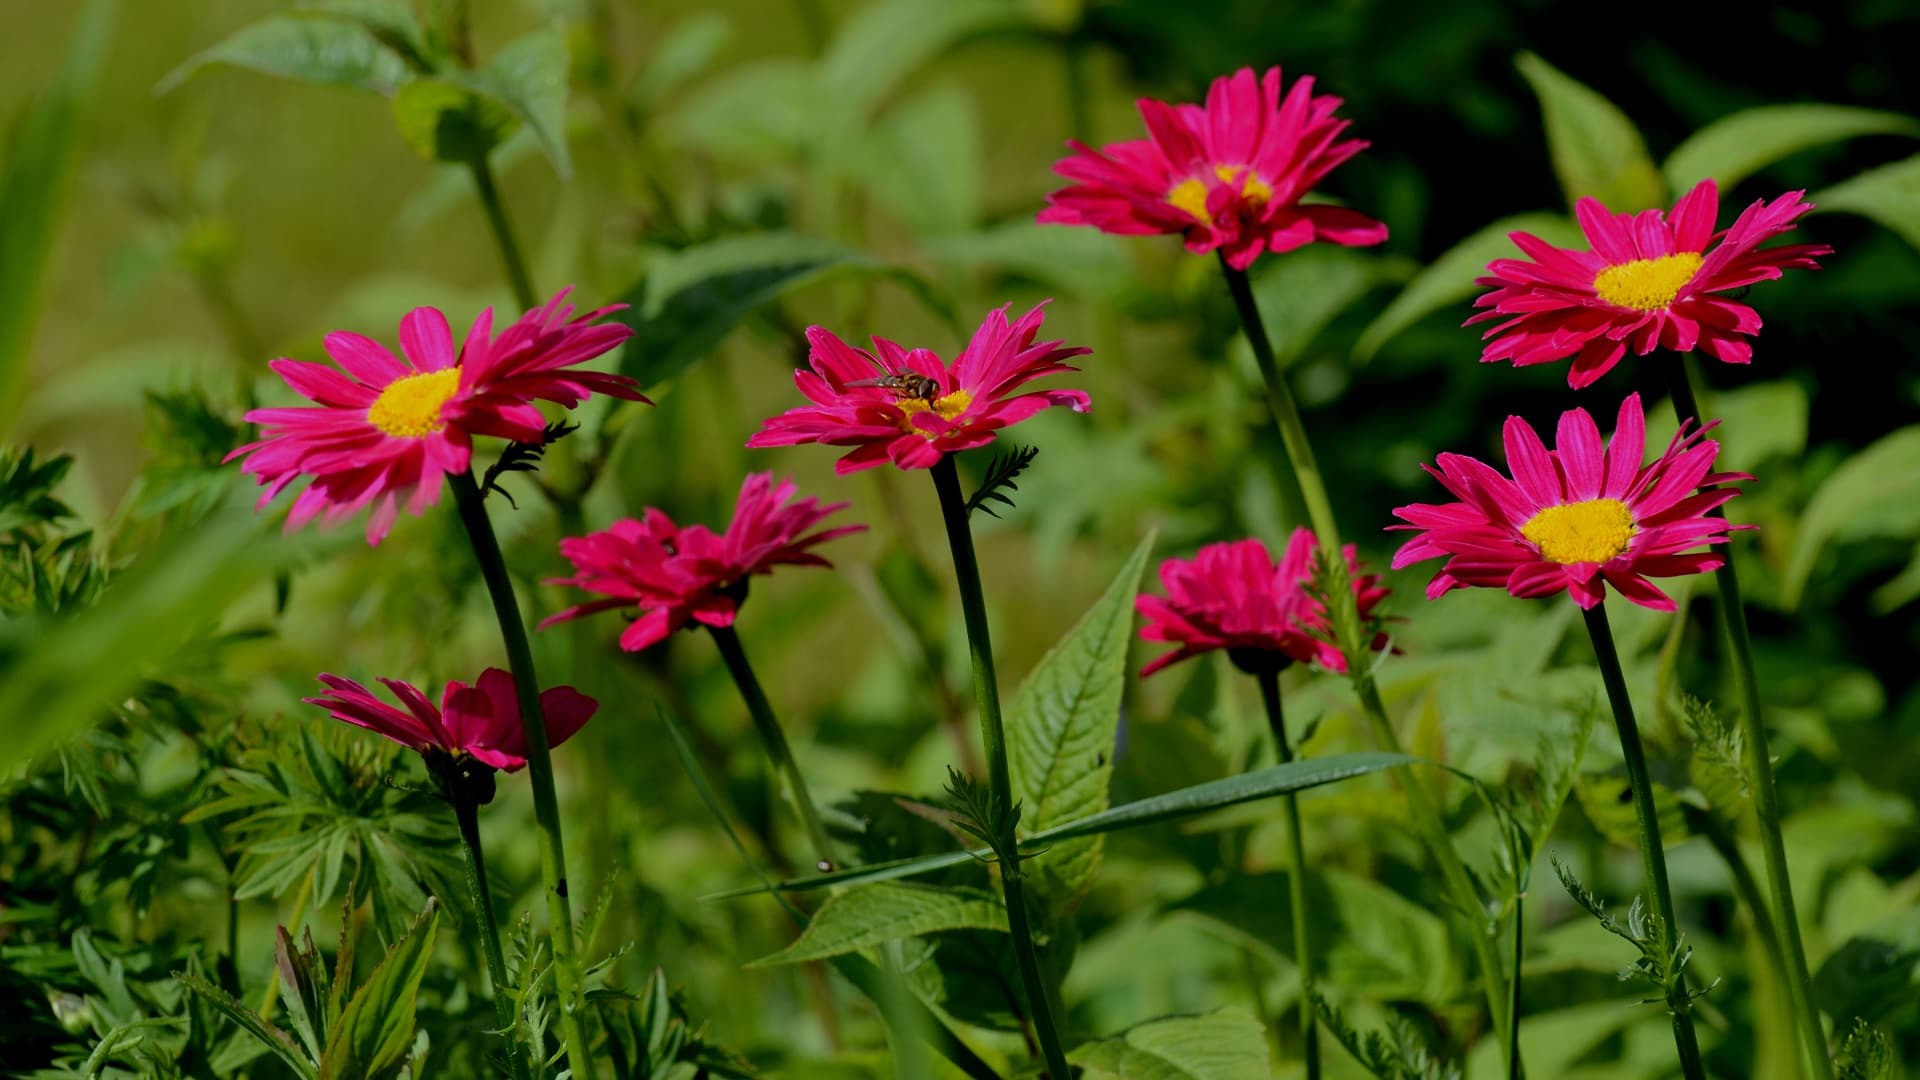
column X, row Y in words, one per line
column 1889, row 195
column 1873, row 493
column 1226, row 1045
column 1874, row 971
column 1450, row 278
column 686, row 50
column 1552, row 1042
column 1299, row 295
column 1867, row 1054
column 1596, row 150
column 757, row 112
column 250, row 1022
column 925, row 161
column 445, row 122
column 392, row 21
column 529, row 77
column 1735, row 147
column 1061, row 727
column 871, row 915
column 375, row 1031
column 33, row 189
column 311, row 48
column 1082, row 261
column 307, row 984
column 1760, row 422
column 881, row 44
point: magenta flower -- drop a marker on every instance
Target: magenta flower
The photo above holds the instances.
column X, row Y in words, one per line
column 1576, row 518
column 907, row 407
column 388, row 431
column 675, row 575
column 481, row 721
column 1649, row 281
column 1233, row 597
column 1228, row 176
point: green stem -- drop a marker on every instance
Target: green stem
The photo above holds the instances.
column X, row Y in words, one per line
column 468, row 817
column 510, row 258
column 1515, row 1070
column 1427, row 816
column 1745, row 885
column 775, row 740
column 546, row 806
column 1652, row 854
column 1297, row 881
column 1784, row 920
column 966, row 572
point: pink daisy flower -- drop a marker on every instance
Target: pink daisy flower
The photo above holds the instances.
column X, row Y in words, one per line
column 1576, row 518
column 908, row 407
column 676, row 575
column 1648, row 281
column 385, row 433
column 1229, row 176
column 1233, row 597
column 481, row 721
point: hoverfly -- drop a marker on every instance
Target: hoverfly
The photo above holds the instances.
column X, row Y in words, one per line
column 905, row 384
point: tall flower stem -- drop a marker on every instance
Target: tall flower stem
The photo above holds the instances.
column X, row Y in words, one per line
column 546, row 805
column 775, row 739
column 1784, row 919
column 1426, row 806
column 1651, row 853
column 966, row 572
column 1269, row 680
column 510, row 258
column 467, row 814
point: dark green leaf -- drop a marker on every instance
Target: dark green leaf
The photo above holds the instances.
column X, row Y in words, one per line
column 445, row 122
column 529, row 77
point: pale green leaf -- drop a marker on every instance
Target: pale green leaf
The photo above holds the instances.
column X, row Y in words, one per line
column 759, row 112
column 1596, row 150
column 1760, row 422
column 925, row 161
column 375, row 1030
column 1889, row 195
column 529, row 76
column 1735, row 147
column 1450, row 278
column 870, row 915
column 686, row 50
column 1873, row 493
column 311, row 48
column 1061, row 728
column 1083, row 261
column 1226, row 1045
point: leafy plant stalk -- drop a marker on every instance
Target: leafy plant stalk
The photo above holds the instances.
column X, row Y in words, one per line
column 1652, row 854
column 1426, row 807
column 775, row 740
column 966, row 572
column 1783, row 921
column 510, row 257
column 546, row 805
column 1269, row 681
column 467, row 815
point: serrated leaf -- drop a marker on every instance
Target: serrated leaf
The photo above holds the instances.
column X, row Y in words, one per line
column 1226, row 1045
column 1061, row 726
column 871, row 915
column 1735, row 147
column 375, row 1031
column 1873, row 493
column 1889, row 195
column 1596, row 150
column 529, row 76
column 1449, row 278
column 274, row 1039
column 312, row 48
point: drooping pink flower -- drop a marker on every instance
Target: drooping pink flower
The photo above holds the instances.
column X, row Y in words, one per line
column 388, row 431
column 481, row 721
column 1576, row 518
column 674, row 575
column 1648, row 280
column 1227, row 176
column 908, row 407
column 1232, row 596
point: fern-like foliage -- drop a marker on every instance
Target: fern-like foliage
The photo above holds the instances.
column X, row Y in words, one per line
column 1660, row 966
column 1000, row 480
column 523, row 457
column 1867, row 1054
column 1399, row 1053
column 1719, row 746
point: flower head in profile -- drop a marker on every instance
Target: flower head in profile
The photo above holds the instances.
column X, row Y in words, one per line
column 1233, row 597
column 908, row 407
column 1228, row 176
column 673, row 575
column 383, row 431
column 479, row 721
column 1577, row 518
column 1648, row 280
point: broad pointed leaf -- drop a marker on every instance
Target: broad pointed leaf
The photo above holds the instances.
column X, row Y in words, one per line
column 1889, row 195
column 529, row 76
column 1596, row 150
column 312, row 48
column 870, row 915
column 1450, row 278
column 1735, row 147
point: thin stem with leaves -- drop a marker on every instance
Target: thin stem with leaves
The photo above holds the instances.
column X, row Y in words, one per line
column 774, row 738
column 466, row 814
column 1269, row 680
column 1784, row 920
column 1001, row 815
column 568, row 978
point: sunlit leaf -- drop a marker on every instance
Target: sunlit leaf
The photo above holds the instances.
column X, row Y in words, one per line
column 1873, row 493
column 1596, row 150
column 1735, row 147
column 1889, row 195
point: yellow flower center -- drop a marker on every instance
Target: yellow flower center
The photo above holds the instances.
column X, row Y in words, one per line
column 1190, row 194
column 1647, row 284
column 409, row 407
column 1593, row 531
column 947, row 406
